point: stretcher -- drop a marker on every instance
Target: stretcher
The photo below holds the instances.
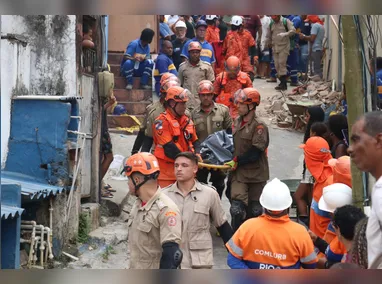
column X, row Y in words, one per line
column 214, row 167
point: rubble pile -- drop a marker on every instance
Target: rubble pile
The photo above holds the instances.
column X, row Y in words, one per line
column 287, row 109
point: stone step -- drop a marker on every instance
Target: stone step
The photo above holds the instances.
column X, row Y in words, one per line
column 114, row 58
column 135, row 95
column 119, row 82
column 114, row 121
column 115, row 69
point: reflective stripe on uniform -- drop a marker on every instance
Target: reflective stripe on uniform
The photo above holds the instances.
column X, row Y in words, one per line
column 309, row 258
column 235, row 249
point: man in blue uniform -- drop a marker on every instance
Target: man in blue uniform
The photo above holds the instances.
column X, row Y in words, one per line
column 164, row 64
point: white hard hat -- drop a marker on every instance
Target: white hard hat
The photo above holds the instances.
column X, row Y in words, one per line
column 236, row 21
column 334, row 196
column 180, row 24
column 276, row 196
column 211, row 17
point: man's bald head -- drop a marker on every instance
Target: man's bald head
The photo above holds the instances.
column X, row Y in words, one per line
column 166, row 47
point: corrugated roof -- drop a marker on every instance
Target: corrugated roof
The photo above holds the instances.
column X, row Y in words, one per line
column 29, row 186
column 10, row 211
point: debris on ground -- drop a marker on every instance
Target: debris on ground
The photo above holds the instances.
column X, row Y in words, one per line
column 287, row 109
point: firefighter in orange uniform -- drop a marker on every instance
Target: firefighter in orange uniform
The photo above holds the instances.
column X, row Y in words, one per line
column 272, row 241
column 228, row 82
column 212, row 32
column 232, row 43
column 250, row 58
column 173, row 133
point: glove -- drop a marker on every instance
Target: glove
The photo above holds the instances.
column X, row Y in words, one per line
column 232, row 164
column 283, row 35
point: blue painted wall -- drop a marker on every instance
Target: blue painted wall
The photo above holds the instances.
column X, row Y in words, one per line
column 10, row 228
column 38, row 138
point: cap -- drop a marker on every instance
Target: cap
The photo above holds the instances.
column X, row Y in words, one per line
column 180, row 24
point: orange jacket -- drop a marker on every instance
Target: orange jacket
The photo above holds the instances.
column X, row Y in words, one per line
column 167, row 128
column 212, row 34
column 319, row 219
column 266, row 242
column 225, row 88
column 232, row 46
column 247, row 41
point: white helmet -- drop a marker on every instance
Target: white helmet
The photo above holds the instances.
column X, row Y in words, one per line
column 334, row 196
column 236, row 20
column 211, row 17
column 276, row 196
column 180, row 24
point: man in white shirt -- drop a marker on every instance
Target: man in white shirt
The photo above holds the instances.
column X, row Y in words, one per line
column 366, row 153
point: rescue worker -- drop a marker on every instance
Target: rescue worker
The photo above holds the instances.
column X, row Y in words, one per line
column 317, row 156
column 232, row 43
column 194, row 70
column 156, row 106
column 155, row 223
column 200, row 206
column 272, row 241
column 207, row 52
column 155, row 111
column 136, row 60
column 250, row 163
column 249, row 54
column 228, row 82
column 212, row 32
column 279, row 36
column 209, row 118
column 164, row 64
column 334, row 196
column 173, row 132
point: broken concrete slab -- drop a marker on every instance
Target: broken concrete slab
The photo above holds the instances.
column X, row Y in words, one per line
column 113, row 206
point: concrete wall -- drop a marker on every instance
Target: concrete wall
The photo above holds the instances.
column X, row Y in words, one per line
column 125, row 28
column 43, row 63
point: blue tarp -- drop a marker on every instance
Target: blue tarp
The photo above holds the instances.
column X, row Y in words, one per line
column 31, row 187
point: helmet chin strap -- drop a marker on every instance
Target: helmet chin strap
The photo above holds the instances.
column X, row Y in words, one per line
column 173, row 109
column 146, row 178
column 248, row 110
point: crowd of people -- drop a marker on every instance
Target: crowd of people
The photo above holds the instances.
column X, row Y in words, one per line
column 204, row 80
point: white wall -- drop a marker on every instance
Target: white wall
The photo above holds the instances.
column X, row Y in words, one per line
column 15, row 75
column 46, row 66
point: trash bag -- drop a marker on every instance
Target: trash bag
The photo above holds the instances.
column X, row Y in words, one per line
column 218, row 148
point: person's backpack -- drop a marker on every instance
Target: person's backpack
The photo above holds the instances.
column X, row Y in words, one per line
column 291, row 39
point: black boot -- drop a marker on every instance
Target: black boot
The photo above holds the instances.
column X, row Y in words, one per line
column 283, row 84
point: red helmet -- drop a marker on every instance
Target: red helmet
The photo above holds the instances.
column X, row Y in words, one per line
column 205, row 87
column 166, row 76
column 232, row 64
column 247, row 96
column 177, row 94
column 168, row 84
column 194, row 45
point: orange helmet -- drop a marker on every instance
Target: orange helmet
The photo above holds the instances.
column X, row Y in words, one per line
column 232, row 64
column 205, row 87
column 247, row 96
column 144, row 163
column 341, row 170
column 194, row 45
column 166, row 76
column 168, row 84
column 177, row 94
